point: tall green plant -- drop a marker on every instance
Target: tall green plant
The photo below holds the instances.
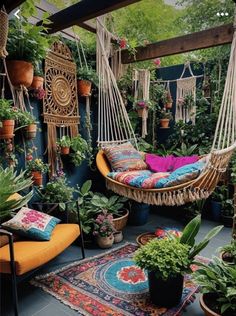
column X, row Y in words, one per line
column 11, row 183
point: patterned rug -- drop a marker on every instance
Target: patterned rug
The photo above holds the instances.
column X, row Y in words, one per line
column 109, row 284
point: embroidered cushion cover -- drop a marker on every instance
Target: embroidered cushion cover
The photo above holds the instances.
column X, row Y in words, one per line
column 32, row 224
column 124, row 157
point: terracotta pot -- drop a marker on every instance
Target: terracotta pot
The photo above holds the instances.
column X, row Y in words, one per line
column 37, row 82
column 105, row 242
column 7, row 129
column 37, row 177
column 120, row 222
column 65, row 150
column 20, row 73
column 164, row 123
column 84, row 88
column 205, row 308
column 31, row 131
column 168, row 105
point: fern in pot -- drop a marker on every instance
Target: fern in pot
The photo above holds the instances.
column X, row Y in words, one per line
column 167, row 260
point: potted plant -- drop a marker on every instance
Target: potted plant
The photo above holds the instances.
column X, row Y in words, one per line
column 217, row 198
column 113, row 205
column 36, row 167
column 28, row 122
column 80, row 150
column 218, row 283
column 168, row 101
column 165, row 118
column 228, row 252
column 168, row 259
column 104, row 229
column 56, row 197
column 64, row 143
column 8, row 115
column 27, row 44
column 142, row 105
column 86, row 76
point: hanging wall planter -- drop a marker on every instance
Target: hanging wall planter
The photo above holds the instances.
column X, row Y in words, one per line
column 20, row 73
column 84, row 88
column 7, row 129
column 168, row 105
column 65, row 150
column 31, row 131
column 37, row 82
column 164, row 123
column 37, row 177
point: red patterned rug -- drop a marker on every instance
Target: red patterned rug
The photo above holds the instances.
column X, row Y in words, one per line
column 109, row 284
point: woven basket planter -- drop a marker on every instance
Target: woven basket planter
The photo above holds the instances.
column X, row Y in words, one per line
column 3, row 33
column 120, row 222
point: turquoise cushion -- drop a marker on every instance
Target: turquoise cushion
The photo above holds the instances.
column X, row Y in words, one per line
column 32, row 224
column 181, row 175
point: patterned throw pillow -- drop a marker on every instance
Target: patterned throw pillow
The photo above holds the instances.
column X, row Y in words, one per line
column 32, row 224
column 124, row 157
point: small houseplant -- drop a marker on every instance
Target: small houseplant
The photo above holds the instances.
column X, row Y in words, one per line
column 104, row 229
column 28, row 122
column 142, row 105
column 165, row 118
column 86, row 76
column 165, row 269
column 228, row 252
column 218, row 285
column 8, row 115
column 168, row 101
column 36, row 167
column 80, row 150
column 64, row 143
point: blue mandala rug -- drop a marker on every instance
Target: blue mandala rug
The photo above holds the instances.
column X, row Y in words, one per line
column 109, row 285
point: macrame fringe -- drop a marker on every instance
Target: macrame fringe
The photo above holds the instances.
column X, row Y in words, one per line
column 52, row 147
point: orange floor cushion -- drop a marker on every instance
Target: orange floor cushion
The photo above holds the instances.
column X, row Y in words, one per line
column 31, row 254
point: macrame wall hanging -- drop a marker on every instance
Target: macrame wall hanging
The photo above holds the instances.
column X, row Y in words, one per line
column 186, row 89
column 60, row 106
column 141, row 79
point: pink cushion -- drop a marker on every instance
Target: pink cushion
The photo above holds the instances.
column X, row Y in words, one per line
column 169, row 163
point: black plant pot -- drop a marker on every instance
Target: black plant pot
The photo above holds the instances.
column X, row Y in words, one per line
column 165, row 293
column 138, row 214
column 227, row 220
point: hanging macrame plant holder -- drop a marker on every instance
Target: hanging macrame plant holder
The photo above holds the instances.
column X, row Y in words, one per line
column 186, row 87
column 141, row 80
column 60, row 106
column 3, row 33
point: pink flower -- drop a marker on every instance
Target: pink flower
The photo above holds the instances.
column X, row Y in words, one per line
column 157, row 62
column 123, row 43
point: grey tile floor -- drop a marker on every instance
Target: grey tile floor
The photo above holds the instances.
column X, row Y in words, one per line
column 35, row 302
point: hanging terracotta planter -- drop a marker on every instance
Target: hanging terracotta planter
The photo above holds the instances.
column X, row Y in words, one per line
column 37, row 177
column 84, row 88
column 37, row 82
column 105, row 242
column 7, row 129
column 65, row 150
column 164, row 123
column 31, row 131
column 168, row 105
column 20, row 73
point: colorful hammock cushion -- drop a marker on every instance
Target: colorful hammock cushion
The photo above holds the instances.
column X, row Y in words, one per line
column 124, row 157
column 144, row 179
column 32, row 224
column 169, row 163
column 182, row 175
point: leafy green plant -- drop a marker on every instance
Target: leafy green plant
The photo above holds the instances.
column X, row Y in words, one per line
column 167, row 258
column 25, row 118
column 219, row 279
column 37, row 165
column 229, row 252
column 220, row 193
column 84, row 73
column 112, row 205
column 185, row 150
column 165, row 114
column 81, row 150
column 7, row 111
column 10, row 183
column 227, row 208
column 64, row 141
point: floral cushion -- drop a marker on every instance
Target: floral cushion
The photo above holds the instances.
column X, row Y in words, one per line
column 140, row 178
column 124, row 157
column 32, row 224
column 182, row 175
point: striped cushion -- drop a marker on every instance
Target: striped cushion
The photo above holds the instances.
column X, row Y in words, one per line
column 124, row 157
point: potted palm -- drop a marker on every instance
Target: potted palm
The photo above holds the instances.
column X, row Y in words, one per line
column 64, row 143
column 86, row 76
column 36, row 168
column 104, row 229
column 218, row 283
column 167, row 260
column 8, row 115
column 165, row 118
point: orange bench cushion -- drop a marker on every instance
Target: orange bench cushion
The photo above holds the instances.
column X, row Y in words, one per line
column 32, row 254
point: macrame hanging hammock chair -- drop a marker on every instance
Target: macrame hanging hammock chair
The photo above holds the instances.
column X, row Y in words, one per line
column 115, row 128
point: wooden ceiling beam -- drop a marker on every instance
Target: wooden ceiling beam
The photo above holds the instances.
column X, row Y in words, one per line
column 216, row 36
column 83, row 11
column 11, row 4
